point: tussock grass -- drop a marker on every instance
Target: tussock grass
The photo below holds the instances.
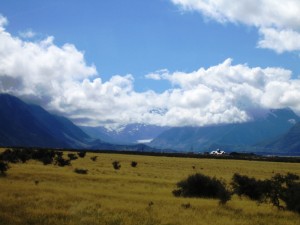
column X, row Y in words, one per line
column 122, row 197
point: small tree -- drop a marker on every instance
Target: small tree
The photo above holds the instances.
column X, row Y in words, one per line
column 72, row 156
column 134, row 163
column 59, row 154
column 81, row 154
column 47, row 160
column 199, row 185
column 94, row 158
column 292, row 197
column 3, row 168
column 250, row 187
column 116, row 165
column 60, row 161
column 279, row 188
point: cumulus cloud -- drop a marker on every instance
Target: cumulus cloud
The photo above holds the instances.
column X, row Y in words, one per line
column 3, row 22
column 278, row 22
column 157, row 75
column 59, row 79
column 279, row 40
column 27, row 34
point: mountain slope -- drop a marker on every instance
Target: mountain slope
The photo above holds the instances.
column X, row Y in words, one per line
column 230, row 137
column 25, row 125
column 31, row 126
column 289, row 142
column 130, row 134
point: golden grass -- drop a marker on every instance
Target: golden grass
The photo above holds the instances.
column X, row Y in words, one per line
column 110, row 197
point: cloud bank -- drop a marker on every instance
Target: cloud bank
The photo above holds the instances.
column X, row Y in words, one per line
column 59, row 79
column 278, row 22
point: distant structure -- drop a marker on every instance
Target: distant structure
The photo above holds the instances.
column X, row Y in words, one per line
column 217, row 152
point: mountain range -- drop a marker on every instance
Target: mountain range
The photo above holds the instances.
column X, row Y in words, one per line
column 129, row 134
column 27, row 125
column 288, row 143
column 30, row 125
column 262, row 133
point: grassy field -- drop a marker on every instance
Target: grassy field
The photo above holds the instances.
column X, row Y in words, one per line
column 35, row 194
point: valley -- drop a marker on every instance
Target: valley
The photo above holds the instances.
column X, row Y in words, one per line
column 33, row 193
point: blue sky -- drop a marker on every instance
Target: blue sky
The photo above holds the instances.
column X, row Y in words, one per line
column 121, row 37
column 139, row 37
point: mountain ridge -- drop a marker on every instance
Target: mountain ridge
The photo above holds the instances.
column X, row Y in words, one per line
column 29, row 125
column 230, row 137
column 290, row 141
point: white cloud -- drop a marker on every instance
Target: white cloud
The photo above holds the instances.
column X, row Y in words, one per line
column 157, row 75
column 279, row 40
column 27, row 34
column 59, row 79
column 3, row 23
column 153, row 76
column 270, row 17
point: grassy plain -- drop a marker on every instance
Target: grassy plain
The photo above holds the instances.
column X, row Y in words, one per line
column 35, row 194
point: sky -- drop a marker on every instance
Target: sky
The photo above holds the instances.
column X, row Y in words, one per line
column 160, row 62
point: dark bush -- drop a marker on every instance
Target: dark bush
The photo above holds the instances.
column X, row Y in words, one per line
column 134, row 163
column 60, row 161
column 72, row 156
column 59, row 154
column 286, row 188
column 250, row 187
column 199, row 185
column 292, row 197
column 186, row 206
column 46, row 160
column 81, row 171
column 275, row 190
column 81, row 154
column 3, row 168
column 44, row 156
column 23, row 155
column 116, row 165
column 12, row 156
column 94, row 158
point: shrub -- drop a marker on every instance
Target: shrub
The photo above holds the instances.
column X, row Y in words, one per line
column 134, row 163
column 11, row 156
column 116, row 165
column 3, row 168
column 81, row 171
column 46, row 160
column 250, row 187
column 199, row 185
column 44, row 156
column 60, row 161
column 81, row 154
column 279, row 188
column 94, row 158
column 292, row 197
column 23, row 155
column 59, row 154
column 72, row 156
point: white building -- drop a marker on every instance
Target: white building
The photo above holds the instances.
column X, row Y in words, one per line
column 217, row 152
